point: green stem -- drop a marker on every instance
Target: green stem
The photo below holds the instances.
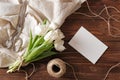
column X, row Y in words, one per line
column 14, row 66
column 38, row 42
column 38, row 51
column 43, row 55
column 34, row 39
column 29, row 45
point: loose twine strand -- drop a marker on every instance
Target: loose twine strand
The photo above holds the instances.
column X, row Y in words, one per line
column 110, row 70
column 73, row 70
column 106, row 8
column 27, row 76
column 108, row 22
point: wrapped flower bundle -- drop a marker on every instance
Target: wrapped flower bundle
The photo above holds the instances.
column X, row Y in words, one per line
column 31, row 29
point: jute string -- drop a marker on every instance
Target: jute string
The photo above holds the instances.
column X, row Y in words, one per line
column 107, row 21
column 27, row 76
column 73, row 70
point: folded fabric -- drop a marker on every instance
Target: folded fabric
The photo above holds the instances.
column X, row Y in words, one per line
column 56, row 11
column 9, row 13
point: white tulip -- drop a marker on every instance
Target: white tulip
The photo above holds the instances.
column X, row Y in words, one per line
column 43, row 29
column 54, row 35
column 59, row 45
column 54, row 26
column 59, row 34
column 50, row 36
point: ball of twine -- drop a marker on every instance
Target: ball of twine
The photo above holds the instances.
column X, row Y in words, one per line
column 56, row 67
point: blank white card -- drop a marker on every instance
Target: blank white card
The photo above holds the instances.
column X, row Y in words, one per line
column 88, row 45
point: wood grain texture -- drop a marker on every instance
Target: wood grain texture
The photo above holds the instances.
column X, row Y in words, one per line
column 83, row 68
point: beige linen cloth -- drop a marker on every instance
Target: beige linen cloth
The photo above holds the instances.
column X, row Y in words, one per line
column 55, row 11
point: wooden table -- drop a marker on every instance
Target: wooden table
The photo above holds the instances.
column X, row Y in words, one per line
column 83, row 68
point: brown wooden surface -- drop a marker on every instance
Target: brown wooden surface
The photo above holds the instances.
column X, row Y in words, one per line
column 83, row 68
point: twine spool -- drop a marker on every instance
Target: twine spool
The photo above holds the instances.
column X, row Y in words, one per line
column 56, row 68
